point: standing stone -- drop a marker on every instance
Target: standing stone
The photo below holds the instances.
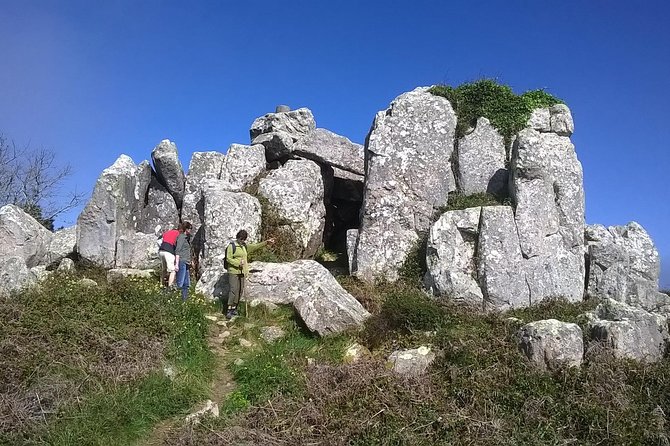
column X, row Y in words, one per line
column 203, row 166
column 500, row 262
column 450, row 257
column 242, row 165
column 296, row 193
column 111, row 212
column 624, row 265
column 352, row 237
column 277, row 145
column 23, row 236
column 547, row 187
column 561, row 120
column 552, row 344
column 159, row 212
column 169, row 170
column 139, row 251
column 225, row 214
column 63, row 243
column 408, row 176
column 481, row 161
column 326, row 147
column 14, row 275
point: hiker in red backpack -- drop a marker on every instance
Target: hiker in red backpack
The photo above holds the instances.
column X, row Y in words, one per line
column 167, row 254
column 237, row 265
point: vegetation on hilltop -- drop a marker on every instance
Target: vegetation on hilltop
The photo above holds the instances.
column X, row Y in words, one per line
column 507, row 111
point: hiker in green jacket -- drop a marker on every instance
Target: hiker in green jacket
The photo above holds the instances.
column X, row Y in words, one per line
column 238, row 268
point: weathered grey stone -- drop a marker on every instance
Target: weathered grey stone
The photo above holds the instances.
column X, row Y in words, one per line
column 23, row 236
column 137, row 251
column 111, row 212
column 408, row 176
column 552, row 344
column 322, row 303
column 169, row 170
column 63, row 243
column 352, row 237
column 208, row 409
column 159, row 211
column 225, row 214
column 39, row 273
column 272, row 333
column 624, row 265
column 630, row 333
column 242, row 165
column 450, row 257
column 14, row 275
column 355, row 353
column 547, row 187
column 500, row 261
column 88, row 283
column 66, row 265
column 561, row 121
column 276, row 144
column 296, row 193
column 326, row 147
column 540, row 120
column 411, row 362
column 116, row 274
column 296, row 123
column 214, row 283
column 481, row 161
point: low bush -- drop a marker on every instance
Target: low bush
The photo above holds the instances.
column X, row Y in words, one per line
column 457, row 201
column 507, row 111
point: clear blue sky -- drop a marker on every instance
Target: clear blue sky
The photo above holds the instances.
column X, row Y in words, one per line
column 94, row 79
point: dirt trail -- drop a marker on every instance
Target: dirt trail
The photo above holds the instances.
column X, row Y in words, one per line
column 221, row 386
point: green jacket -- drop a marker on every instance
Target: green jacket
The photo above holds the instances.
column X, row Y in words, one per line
column 241, row 252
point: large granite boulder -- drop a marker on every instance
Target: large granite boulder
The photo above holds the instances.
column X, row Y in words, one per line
column 326, row 147
column 169, row 170
column 322, row 303
column 14, row 275
column 624, row 265
column 408, row 176
column 23, row 236
column 110, row 213
column 629, row 332
column 242, row 165
column 481, row 161
column 63, row 243
column 277, row 145
column 137, row 251
column 296, row 123
column 552, row 344
column 296, row 193
column 556, row 119
column 226, row 213
column 547, row 188
column 450, row 257
column 500, row 267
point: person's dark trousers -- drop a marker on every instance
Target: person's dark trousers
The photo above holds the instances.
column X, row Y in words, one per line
column 236, row 282
column 183, row 279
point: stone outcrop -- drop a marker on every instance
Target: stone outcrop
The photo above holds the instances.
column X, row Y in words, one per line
column 556, row 119
column 547, row 188
column 296, row 123
column 326, row 147
column 481, row 161
column 23, row 236
column 14, row 275
column 408, row 176
column 159, row 211
column 169, row 170
column 629, row 332
column 624, row 265
column 552, row 344
column 296, row 193
column 242, row 165
column 110, row 213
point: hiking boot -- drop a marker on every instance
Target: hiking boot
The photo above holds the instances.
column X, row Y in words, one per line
column 230, row 314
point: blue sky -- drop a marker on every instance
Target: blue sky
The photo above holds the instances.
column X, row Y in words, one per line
column 92, row 80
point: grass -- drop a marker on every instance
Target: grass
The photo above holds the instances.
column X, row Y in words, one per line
column 507, row 111
column 457, row 201
column 480, row 390
column 85, row 366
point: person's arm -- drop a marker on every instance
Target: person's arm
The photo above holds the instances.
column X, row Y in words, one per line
column 181, row 241
column 255, row 246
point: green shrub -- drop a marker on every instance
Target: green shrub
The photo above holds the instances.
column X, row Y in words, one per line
column 414, row 267
column 285, row 248
column 506, row 111
column 457, row 201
